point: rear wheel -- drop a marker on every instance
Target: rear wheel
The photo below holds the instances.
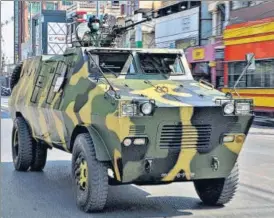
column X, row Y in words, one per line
column 15, row 76
column 22, row 145
column 90, row 177
column 218, row 191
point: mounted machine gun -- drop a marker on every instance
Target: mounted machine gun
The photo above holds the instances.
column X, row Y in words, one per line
column 103, row 33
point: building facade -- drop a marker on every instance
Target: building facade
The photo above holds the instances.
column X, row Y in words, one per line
column 23, row 16
column 17, row 29
column 253, row 37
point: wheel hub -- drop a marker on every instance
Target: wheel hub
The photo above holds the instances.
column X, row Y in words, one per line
column 15, row 144
column 81, row 173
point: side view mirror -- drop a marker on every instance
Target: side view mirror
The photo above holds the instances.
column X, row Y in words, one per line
column 228, row 95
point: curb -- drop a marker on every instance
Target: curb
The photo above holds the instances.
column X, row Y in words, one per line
column 266, row 123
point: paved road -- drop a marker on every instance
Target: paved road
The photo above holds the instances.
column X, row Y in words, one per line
column 49, row 193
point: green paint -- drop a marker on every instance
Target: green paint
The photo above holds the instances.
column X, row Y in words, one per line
column 139, row 44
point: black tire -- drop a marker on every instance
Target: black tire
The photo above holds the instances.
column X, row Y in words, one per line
column 15, row 76
column 39, row 157
column 216, row 192
column 92, row 195
column 22, row 146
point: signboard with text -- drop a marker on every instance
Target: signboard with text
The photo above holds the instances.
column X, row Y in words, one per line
column 181, row 25
column 198, row 54
column 56, row 38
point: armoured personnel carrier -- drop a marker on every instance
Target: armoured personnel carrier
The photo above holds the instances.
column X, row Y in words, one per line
column 127, row 116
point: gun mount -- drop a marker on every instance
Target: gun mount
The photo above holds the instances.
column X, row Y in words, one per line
column 100, row 33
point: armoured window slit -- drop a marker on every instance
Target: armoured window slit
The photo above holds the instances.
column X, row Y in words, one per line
column 186, row 136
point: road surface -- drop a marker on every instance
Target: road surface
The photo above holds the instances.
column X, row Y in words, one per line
column 49, row 193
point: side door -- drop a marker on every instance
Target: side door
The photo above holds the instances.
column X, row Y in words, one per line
column 38, row 101
column 57, row 128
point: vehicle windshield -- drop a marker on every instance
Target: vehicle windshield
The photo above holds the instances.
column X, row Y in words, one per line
column 161, row 64
column 112, row 63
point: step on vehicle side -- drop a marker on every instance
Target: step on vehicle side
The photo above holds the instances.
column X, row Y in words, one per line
column 135, row 112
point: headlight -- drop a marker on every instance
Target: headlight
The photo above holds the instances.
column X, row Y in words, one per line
column 228, row 138
column 129, row 109
column 127, row 142
column 146, row 108
column 139, row 141
column 229, row 108
column 243, row 108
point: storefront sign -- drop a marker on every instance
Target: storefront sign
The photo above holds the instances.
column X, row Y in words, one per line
column 212, row 64
column 198, row 54
column 177, row 26
column 56, row 39
column 172, row 45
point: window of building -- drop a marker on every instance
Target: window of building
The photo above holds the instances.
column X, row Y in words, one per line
column 35, row 7
column 243, row 4
column 262, row 77
column 66, row 2
column 114, row 3
column 200, row 68
column 51, row 6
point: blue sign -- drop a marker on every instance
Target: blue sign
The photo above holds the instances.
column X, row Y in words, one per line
column 88, row 15
column 172, row 45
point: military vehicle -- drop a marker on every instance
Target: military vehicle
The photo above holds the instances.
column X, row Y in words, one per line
column 127, row 116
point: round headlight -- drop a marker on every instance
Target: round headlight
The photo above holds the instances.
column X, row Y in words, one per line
column 229, row 108
column 147, row 108
column 127, row 142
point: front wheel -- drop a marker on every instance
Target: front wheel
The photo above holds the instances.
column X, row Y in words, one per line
column 218, row 191
column 90, row 177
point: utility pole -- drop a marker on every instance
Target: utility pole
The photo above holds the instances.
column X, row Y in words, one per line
column 97, row 8
column 0, row 38
column 31, row 44
column 138, row 33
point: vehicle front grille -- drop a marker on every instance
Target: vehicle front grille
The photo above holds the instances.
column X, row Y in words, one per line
column 136, row 130
column 186, row 136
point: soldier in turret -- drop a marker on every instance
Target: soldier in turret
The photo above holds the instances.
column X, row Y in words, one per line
column 93, row 36
column 94, row 24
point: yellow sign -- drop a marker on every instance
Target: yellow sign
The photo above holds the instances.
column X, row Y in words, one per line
column 198, row 54
column 212, row 63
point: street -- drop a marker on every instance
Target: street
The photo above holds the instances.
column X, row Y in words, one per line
column 49, row 193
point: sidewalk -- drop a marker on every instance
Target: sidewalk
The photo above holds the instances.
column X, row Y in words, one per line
column 4, row 102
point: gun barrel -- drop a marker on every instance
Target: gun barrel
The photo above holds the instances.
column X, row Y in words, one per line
column 139, row 22
column 120, row 29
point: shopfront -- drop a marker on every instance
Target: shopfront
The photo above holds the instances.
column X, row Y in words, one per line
column 202, row 63
column 255, row 37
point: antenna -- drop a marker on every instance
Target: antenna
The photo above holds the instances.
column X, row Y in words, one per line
column 111, row 87
column 250, row 65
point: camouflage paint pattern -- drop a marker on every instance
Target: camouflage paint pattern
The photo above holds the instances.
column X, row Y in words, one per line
column 186, row 115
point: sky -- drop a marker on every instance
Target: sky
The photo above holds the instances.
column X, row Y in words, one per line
column 7, row 31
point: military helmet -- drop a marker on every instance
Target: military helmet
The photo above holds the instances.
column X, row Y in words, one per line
column 93, row 19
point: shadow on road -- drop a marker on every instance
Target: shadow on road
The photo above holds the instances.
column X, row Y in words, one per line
column 49, row 193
